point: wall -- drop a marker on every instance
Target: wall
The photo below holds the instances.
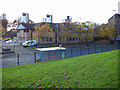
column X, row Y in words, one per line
column 115, row 21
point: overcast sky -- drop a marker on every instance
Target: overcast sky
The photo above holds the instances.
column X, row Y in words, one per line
column 98, row 11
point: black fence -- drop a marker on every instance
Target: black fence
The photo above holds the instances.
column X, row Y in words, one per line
column 33, row 57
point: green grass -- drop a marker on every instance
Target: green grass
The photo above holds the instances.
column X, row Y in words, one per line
column 90, row 71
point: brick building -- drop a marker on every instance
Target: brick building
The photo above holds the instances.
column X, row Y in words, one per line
column 114, row 21
column 26, row 32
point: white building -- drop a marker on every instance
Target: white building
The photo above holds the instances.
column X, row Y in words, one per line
column 119, row 7
column 24, row 18
column 3, row 16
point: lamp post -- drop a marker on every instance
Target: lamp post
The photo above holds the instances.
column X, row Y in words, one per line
column 76, row 35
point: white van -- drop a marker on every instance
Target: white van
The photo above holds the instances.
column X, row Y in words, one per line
column 29, row 43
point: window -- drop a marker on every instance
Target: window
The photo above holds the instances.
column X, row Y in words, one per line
column 76, row 39
column 27, row 30
column 46, row 38
column 73, row 39
column 43, row 39
column 50, row 39
column 60, row 39
column 67, row 39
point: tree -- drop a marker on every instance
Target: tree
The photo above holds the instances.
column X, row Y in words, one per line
column 64, row 32
column 41, row 32
column 2, row 31
column 104, row 31
column 30, row 21
column 4, row 23
column 110, row 32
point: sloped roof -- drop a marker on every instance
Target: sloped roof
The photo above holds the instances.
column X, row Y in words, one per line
column 32, row 26
column 28, row 26
column 116, row 15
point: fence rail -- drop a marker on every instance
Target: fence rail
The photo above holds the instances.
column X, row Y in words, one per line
column 26, row 58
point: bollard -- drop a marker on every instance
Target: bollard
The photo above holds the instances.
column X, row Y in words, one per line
column 18, row 58
column 34, row 57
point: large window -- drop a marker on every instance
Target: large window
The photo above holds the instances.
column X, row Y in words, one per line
column 46, row 38
column 73, row 39
column 43, row 39
column 67, row 39
column 50, row 38
column 70, row 39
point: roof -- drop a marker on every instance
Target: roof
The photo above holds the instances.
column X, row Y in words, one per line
column 50, row 49
column 116, row 15
column 32, row 26
column 25, row 26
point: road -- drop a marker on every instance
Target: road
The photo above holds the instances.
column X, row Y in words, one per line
column 25, row 55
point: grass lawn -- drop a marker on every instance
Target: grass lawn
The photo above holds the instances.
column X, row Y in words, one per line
column 90, row 71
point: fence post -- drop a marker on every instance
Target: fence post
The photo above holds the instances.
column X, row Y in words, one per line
column 18, row 58
column 102, row 48
column 49, row 54
column 34, row 57
column 118, row 46
column 95, row 48
column 112, row 47
column 41, row 57
column 61, row 53
column 107, row 47
column 81, row 50
column 88, row 50
column 71, row 52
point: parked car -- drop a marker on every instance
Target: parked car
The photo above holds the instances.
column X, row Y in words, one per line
column 29, row 43
column 11, row 41
column 6, row 40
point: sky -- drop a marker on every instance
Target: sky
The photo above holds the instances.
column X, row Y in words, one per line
column 98, row 11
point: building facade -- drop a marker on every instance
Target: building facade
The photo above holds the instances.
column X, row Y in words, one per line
column 26, row 32
column 114, row 21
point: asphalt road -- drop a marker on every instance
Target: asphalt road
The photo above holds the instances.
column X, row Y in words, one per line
column 25, row 55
